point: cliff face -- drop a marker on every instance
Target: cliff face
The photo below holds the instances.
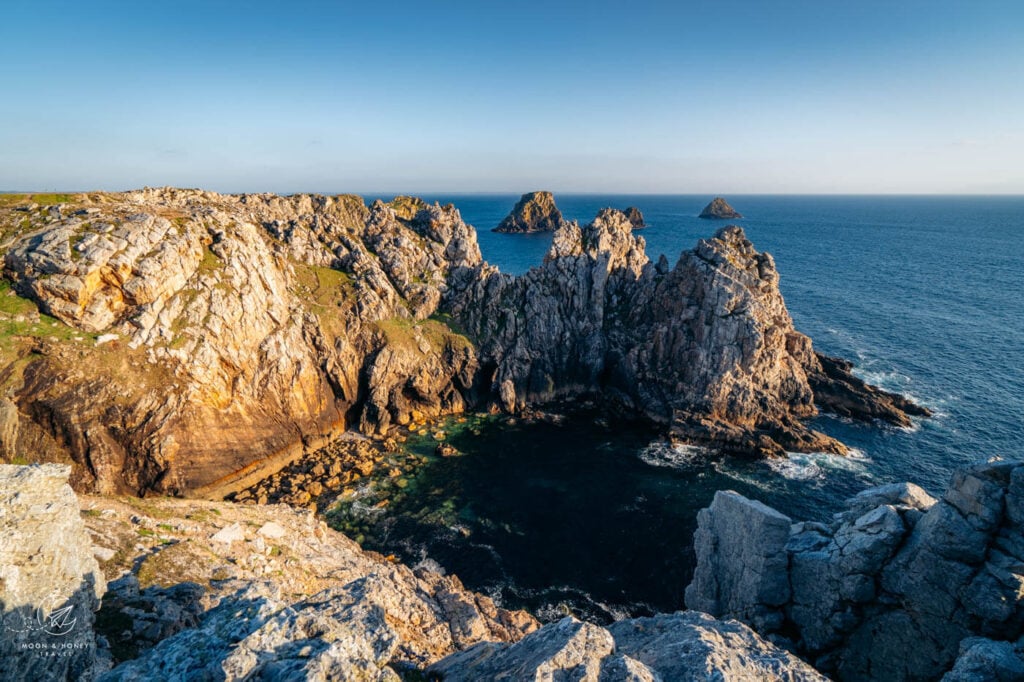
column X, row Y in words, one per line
column 900, row 586
column 191, row 340
column 209, row 332
column 706, row 347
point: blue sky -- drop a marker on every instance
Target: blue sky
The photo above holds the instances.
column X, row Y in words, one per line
column 708, row 97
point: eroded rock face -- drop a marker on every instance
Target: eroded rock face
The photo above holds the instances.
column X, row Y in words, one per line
column 682, row 646
column 237, row 331
column 50, row 583
column 895, row 588
column 212, row 339
column 534, row 212
column 719, row 209
column 706, row 348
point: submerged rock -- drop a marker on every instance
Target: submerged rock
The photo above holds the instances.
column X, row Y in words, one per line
column 534, row 212
column 898, row 587
column 719, row 209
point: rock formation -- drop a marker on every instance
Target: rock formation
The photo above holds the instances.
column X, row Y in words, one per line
column 188, row 342
column 682, row 646
column 50, row 583
column 534, row 212
column 706, row 348
column 635, row 217
column 900, row 586
column 719, row 209
column 217, row 591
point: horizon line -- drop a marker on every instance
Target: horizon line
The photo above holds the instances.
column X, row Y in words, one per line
column 420, row 193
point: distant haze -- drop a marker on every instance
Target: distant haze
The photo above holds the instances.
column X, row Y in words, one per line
column 710, row 97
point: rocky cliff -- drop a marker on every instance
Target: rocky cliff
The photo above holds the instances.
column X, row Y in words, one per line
column 183, row 341
column 217, row 591
column 706, row 347
column 900, row 586
column 534, row 212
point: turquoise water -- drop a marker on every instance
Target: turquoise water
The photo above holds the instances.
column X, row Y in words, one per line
column 923, row 293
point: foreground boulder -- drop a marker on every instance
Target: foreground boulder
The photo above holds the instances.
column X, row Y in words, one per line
column 684, row 646
column 534, row 212
column 897, row 587
column 719, row 209
column 50, row 583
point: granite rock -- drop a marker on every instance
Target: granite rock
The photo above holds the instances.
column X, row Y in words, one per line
column 685, row 646
column 50, row 582
column 894, row 588
column 635, row 217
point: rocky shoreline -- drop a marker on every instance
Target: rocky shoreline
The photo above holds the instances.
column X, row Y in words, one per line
column 186, row 342
column 900, row 586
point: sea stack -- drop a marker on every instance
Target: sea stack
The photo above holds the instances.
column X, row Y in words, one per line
column 534, row 212
column 635, row 217
column 719, row 209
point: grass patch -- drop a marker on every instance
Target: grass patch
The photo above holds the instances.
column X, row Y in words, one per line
column 406, row 208
column 21, row 321
column 405, row 332
column 43, row 199
column 210, row 262
column 326, row 292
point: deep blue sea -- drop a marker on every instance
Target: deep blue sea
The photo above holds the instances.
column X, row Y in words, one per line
column 924, row 294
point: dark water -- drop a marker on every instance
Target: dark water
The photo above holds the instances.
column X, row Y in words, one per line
column 925, row 294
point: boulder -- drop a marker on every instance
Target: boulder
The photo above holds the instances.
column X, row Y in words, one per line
column 50, row 582
column 742, row 564
column 898, row 587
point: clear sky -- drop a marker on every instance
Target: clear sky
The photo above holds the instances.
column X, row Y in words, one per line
column 677, row 97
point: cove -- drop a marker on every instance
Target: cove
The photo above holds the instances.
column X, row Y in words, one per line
column 575, row 514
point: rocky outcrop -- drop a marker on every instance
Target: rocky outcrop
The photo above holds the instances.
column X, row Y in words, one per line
column 900, row 586
column 534, row 212
column 706, row 347
column 188, row 342
column 209, row 336
column 719, row 209
column 297, row 573
column 635, row 217
column 50, row 583
column 682, row 646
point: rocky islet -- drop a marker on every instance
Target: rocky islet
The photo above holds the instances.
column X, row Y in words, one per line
column 719, row 209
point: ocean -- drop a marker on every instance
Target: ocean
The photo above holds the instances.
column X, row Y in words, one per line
column 924, row 294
